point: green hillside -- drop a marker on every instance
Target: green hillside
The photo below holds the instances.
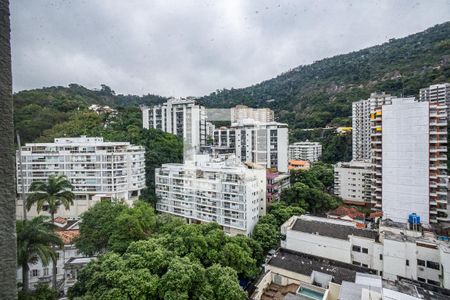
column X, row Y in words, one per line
column 38, row 110
column 311, row 96
column 321, row 94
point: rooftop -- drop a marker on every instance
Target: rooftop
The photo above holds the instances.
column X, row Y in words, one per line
column 68, row 236
column 413, row 288
column 331, row 228
column 306, row 264
column 343, row 211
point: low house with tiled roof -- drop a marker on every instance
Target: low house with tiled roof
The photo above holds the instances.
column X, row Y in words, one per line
column 304, row 165
column 345, row 213
column 67, row 230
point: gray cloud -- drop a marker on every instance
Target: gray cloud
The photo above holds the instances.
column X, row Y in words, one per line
column 181, row 48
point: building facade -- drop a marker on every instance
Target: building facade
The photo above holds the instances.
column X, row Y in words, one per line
column 305, row 151
column 241, row 112
column 182, row 117
column 211, row 189
column 352, row 182
column 276, row 183
column 224, row 139
column 394, row 251
column 438, row 94
column 97, row 170
column 361, row 124
column 409, row 146
column 265, row 144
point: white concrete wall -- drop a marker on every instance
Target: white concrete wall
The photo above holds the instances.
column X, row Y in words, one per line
column 395, row 255
column 445, row 262
column 283, row 144
column 405, row 164
column 322, row 246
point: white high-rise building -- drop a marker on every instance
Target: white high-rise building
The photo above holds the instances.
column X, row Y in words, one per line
column 98, row 170
column 182, row 117
column 265, row 144
column 361, row 144
column 210, row 189
column 352, row 182
column 409, row 156
column 310, row 151
column 437, row 93
column 241, row 112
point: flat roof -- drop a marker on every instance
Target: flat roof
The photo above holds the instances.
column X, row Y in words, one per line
column 331, row 228
column 414, row 288
column 305, row 264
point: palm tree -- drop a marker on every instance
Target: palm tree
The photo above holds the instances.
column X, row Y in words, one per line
column 8, row 259
column 35, row 240
column 55, row 192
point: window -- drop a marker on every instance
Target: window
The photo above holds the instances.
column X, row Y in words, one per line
column 356, row 263
column 421, row 279
column 365, row 250
column 364, row 265
column 407, row 262
column 433, row 282
column 34, row 273
column 421, row 262
column 381, row 273
column 381, row 256
column 433, row 265
column 45, row 271
column 356, row 248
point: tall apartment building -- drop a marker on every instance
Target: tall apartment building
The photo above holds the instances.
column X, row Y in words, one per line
column 352, row 182
column 98, row 170
column 361, row 124
column 409, row 146
column 437, row 93
column 241, row 112
column 265, row 144
column 305, row 151
column 211, row 189
column 182, row 117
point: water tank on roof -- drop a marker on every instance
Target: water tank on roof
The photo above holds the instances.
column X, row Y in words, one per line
column 414, row 219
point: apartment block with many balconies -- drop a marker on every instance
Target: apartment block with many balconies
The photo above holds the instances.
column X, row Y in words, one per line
column 182, row 117
column 98, row 170
column 208, row 189
column 241, row 112
column 265, row 144
column 409, row 146
column 353, row 182
column 310, row 151
column 361, row 124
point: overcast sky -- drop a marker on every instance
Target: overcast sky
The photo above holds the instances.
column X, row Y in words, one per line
column 182, row 48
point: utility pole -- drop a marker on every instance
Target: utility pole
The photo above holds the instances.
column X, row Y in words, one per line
column 22, row 194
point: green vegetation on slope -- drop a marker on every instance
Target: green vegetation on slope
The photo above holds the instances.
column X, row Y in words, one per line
column 38, row 110
column 321, row 94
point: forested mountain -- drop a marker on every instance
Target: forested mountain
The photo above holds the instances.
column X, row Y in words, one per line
column 38, row 110
column 311, row 96
column 321, row 94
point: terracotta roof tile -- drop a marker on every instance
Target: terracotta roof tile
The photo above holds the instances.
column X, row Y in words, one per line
column 67, row 236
